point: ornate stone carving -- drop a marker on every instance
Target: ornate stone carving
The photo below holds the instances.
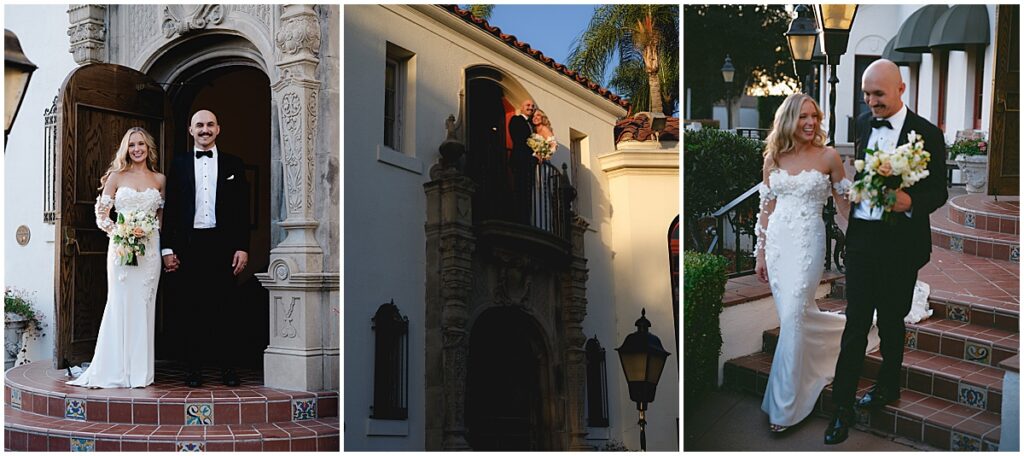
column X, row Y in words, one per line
column 177, row 22
column 143, row 25
column 299, row 34
column 88, row 33
column 288, row 330
column 261, row 13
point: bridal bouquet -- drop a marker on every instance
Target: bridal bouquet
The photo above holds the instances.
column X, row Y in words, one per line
column 887, row 171
column 540, row 146
column 130, row 234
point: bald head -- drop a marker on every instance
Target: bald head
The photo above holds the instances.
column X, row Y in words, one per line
column 883, row 86
column 204, row 129
column 528, row 107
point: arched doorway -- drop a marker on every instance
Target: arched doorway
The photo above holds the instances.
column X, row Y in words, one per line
column 236, row 88
column 509, row 404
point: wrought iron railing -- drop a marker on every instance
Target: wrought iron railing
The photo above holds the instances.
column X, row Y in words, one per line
column 736, row 219
column 50, row 164
column 551, row 201
column 754, row 133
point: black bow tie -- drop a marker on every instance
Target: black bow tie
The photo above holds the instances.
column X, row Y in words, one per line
column 879, row 123
column 204, row 153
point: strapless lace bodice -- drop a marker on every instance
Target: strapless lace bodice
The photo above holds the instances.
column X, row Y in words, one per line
column 129, row 199
column 803, row 194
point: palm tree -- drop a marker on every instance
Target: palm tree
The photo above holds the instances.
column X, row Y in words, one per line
column 646, row 38
column 481, row 11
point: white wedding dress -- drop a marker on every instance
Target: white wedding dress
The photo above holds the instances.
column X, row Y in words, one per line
column 124, row 347
column 809, row 339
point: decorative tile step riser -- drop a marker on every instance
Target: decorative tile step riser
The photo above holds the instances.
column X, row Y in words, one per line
column 998, row 249
column 172, row 412
column 986, row 222
column 975, row 314
column 26, row 441
column 946, row 426
column 981, row 388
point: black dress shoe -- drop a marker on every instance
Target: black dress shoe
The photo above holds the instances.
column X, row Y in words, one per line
column 839, row 428
column 230, row 378
column 877, row 398
column 194, row 379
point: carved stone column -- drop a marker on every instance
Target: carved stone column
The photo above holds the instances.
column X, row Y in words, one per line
column 450, row 246
column 88, row 33
column 574, row 292
column 303, row 351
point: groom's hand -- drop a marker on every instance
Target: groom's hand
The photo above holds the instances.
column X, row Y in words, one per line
column 903, row 201
column 171, row 263
column 239, row 261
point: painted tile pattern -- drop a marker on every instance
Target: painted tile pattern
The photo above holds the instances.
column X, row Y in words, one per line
column 958, row 313
column 956, row 243
column 969, row 220
column 977, row 352
column 303, row 409
column 964, row 442
column 191, row 446
column 74, row 408
column 972, row 395
column 199, row 414
column 83, row 444
column 1015, row 253
column 16, row 398
column 911, row 339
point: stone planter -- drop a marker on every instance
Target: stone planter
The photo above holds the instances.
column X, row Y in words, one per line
column 974, row 172
column 14, row 326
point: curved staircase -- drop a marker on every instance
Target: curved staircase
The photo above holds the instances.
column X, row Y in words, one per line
column 955, row 361
column 41, row 413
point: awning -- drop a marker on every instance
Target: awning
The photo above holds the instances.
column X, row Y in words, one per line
column 960, row 27
column 900, row 58
column 916, row 32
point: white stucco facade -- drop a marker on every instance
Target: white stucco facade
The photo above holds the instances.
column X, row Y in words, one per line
column 385, row 211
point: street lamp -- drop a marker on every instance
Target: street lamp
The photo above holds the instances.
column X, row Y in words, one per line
column 17, row 73
column 835, row 22
column 728, row 73
column 802, row 36
column 643, row 359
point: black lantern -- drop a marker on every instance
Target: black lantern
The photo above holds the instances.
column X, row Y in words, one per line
column 802, row 34
column 728, row 73
column 17, row 73
column 643, row 359
column 835, row 21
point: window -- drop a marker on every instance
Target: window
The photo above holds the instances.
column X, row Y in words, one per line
column 50, row 164
column 390, row 364
column 577, row 148
column 597, row 385
column 399, row 94
column 979, row 87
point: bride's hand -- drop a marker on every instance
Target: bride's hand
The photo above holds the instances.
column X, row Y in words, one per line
column 761, row 270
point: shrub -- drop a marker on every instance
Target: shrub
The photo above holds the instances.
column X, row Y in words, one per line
column 718, row 166
column 704, row 284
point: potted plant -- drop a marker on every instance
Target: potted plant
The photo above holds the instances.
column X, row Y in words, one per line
column 21, row 322
column 971, row 156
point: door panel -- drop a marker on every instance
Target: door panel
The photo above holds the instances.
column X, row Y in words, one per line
column 98, row 103
column 1004, row 155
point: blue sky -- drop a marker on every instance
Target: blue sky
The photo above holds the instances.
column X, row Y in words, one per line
column 548, row 28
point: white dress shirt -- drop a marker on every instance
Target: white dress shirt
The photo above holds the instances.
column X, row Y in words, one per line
column 884, row 139
column 206, row 191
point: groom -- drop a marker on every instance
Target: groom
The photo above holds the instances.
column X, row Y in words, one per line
column 882, row 259
column 206, row 237
column 522, row 162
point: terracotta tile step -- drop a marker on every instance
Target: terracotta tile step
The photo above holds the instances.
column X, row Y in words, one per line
column 958, row 381
column 26, row 431
column 986, row 206
column 934, row 421
column 973, row 241
column 29, row 432
column 978, row 310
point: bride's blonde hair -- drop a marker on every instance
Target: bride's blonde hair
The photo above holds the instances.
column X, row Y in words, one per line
column 543, row 118
column 121, row 160
column 780, row 140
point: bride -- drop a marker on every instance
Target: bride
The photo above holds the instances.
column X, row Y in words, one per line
column 800, row 173
column 124, row 347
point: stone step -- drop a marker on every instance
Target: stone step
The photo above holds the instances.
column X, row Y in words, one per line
column 39, row 389
column 973, row 241
column 984, row 213
column 25, row 431
column 940, row 423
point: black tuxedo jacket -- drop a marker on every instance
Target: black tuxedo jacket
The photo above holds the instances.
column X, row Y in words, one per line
column 232, row 205
column 927, row 195
column 519, row 129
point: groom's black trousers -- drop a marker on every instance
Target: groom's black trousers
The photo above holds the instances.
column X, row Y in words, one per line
column 207, row 296
column 880, row 277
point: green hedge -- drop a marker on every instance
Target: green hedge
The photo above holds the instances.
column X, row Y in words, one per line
column 717, row 167
column 704, row 284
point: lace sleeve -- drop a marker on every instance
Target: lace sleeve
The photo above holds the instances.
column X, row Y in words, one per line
column 842, row 188
column 763, row 212
column 103, row 205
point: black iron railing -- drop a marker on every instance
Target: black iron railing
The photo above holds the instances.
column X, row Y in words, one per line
column 737, row 218
column 551, row 201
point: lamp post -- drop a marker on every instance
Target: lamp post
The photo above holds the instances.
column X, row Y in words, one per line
column 835, row 21
column 728, row 73
column 802, row 36
column 17, row 73
column 643, row 359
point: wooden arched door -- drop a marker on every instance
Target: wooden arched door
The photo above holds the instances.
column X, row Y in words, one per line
column 98, row 103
